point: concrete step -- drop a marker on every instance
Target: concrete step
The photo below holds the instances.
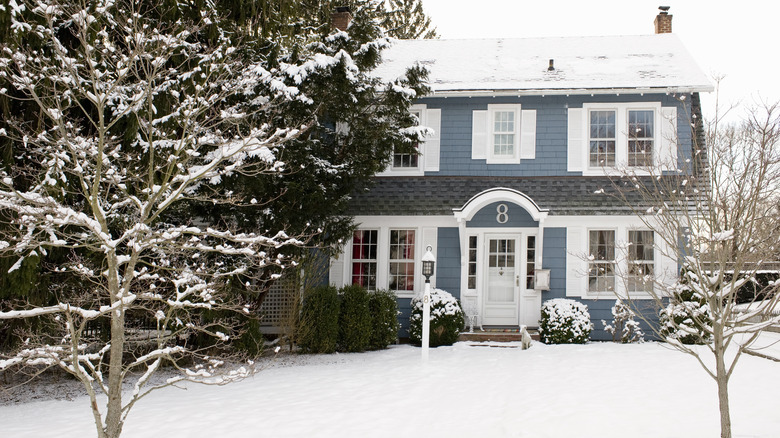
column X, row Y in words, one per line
column 496, row 336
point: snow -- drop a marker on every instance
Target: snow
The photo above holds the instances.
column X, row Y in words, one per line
column 595, row 64
column 546, row 391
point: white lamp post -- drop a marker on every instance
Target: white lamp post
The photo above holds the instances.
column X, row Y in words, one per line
column 428, row 262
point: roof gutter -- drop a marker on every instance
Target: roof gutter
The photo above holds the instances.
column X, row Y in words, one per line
column 572, row 91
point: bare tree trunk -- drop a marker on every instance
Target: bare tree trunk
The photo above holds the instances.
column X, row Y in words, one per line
column 722, row 379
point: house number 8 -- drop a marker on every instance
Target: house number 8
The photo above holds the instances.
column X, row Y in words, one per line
column 503, row 213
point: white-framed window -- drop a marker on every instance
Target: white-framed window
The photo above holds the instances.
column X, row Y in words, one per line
column 404, row 160
column 365, row 247
column 601, row 261
column 609, row 137
column 504, row 134
column 602, row 137
column 641, row 261
column 641, row 135
column 472, row 269
column 402, row 260
column 530, row 261
column 406, row 163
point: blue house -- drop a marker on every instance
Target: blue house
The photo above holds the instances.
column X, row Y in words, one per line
column 527, row 134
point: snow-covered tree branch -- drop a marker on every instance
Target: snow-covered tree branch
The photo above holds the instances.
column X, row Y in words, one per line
column 138, row 116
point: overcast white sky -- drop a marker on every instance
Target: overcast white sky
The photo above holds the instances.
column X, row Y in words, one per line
column 735, row 39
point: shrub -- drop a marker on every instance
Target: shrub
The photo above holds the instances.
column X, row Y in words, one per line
column 319, row 324
column 384, row 319
column 564, row 322
column 354, row 319
column 687, row 313
column 624, row 328
column 446, row 319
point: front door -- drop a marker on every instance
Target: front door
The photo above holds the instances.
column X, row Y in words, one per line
column 500, row 297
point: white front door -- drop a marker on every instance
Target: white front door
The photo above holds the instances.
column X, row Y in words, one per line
column 500, row 303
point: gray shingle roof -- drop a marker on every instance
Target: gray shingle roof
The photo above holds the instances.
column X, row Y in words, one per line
column 438, row 195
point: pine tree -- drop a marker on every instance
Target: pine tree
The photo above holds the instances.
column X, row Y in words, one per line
column 405, row 19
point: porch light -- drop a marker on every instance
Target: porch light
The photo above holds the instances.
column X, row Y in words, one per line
column 428, row 262
column 542, row 279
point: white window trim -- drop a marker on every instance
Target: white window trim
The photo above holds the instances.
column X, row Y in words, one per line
column 420, row 169
column 350, row 260
column 621, row 136
column 492, row 158
column 415, row 260
column 616, row 261
column 383, row 259
column 655, row 259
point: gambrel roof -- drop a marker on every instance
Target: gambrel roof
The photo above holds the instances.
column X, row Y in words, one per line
column 582, row 65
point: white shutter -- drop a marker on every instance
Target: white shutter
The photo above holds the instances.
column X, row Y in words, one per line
column 429, row 238
column 528, row 135
column 336, row 272
column 576, row 266
column 667, row 150
column 431, row 148
column 479, row 135
column 576, row 144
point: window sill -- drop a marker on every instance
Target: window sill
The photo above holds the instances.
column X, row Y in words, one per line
column 402, row 172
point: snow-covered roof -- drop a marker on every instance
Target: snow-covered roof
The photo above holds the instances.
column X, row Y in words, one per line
column 645, row 63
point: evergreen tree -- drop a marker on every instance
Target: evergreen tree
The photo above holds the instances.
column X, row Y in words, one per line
column 405, row 19
column 323, row 165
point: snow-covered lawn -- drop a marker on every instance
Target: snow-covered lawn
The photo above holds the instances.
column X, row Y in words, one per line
column 596, row 390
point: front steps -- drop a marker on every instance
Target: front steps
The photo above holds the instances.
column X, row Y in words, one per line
column 496, row 335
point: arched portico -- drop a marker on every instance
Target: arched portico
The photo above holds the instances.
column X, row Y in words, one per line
column 501, row 234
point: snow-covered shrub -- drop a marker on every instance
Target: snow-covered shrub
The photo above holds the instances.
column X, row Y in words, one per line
column 446, row 319
column 354, row 319
column 318, row 329
column 687, row 312
column 623, row 327
column 384, row 319
column 564, row 322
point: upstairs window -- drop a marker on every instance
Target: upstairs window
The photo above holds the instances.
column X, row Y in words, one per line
column 640, row 138
column 411, row 160
column 602, row 138
column 605, row 137
column 504, row 133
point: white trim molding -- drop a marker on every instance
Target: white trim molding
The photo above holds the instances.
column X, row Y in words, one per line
column 664, row 138
column 487, row 197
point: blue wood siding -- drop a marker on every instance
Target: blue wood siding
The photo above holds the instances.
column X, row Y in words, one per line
column 551, row 132
column 517, row 216
column 448, row 261
column 405, row 311
column 554, row 259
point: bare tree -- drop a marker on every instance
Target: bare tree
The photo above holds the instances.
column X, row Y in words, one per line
column 716, row 213
column 136, row 118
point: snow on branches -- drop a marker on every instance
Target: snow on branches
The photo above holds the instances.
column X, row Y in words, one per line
column 138, row 117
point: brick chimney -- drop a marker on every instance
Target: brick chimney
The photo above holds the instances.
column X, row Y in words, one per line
column 663, row 21
column 341, row 18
